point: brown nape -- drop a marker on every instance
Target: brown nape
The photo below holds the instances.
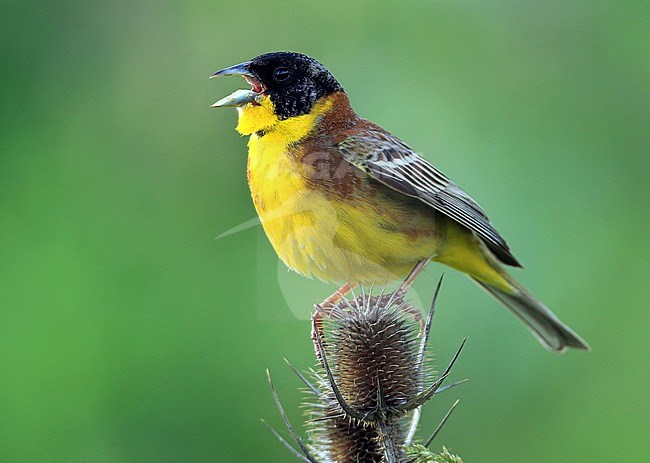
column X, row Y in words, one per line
column 325, row 169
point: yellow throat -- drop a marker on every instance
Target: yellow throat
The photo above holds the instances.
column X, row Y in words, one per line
column 262, row 118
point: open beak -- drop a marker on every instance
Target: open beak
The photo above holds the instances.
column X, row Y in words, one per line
column 240, row 69
column 240, row 97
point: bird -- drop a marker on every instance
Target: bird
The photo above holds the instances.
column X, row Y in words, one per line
column 344, row 200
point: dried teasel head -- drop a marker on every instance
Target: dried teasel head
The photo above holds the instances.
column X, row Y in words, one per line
column 378, row 365
column 372, row 350
column 338, row 439
column 373, row 347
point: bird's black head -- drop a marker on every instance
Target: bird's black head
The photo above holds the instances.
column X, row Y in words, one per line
column 293, row 82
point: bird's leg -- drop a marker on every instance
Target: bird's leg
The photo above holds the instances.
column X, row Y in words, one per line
column 417, row 316
column 412, row 276
column 323, row 310
column 400, row 293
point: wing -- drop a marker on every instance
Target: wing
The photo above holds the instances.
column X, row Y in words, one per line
column 390, row 161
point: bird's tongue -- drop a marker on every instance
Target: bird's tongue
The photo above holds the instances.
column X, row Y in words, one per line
column 256, row 85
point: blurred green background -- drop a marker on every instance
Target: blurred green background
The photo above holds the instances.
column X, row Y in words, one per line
column 128, row 333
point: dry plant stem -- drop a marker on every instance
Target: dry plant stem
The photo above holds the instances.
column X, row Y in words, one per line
column 413, row 426
column 392, row 452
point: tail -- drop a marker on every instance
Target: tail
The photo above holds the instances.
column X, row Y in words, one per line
column 544, row 324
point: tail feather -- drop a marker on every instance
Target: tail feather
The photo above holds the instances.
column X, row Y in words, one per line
column 543, row 323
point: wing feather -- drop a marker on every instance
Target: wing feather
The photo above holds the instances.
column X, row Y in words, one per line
column 390, row 161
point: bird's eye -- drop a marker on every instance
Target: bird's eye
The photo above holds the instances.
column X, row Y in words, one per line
column 281, row 74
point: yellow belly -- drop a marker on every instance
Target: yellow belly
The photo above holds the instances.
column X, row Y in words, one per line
column 355, row 240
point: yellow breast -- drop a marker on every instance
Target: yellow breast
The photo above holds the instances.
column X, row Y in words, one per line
column 313, row 234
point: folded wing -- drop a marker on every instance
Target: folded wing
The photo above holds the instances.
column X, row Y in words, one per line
column 391, row 162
